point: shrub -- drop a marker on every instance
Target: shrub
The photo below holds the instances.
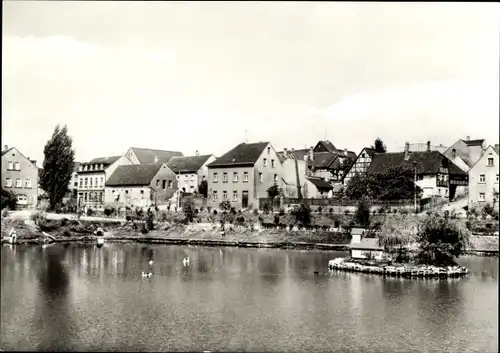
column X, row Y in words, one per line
column 144, row 230
column 139, row 212
column 188, row 207
column 209, row 209
column 225, row 206
column 90, row 212
column 215, row 212
column 266, row 208
column 320, row 209
column 233, row 211
column 64, row 222
column 150, row 220
column 240, row 220
column 302, row 214
column 488, row 210
column 128, row 218
column 261, row 220
column 196, row 211
column 330, row 210
column 8, row 200
column 108, row 211
column 255, row 211
column 156, row 208
column 276, row 220
column 5, row 212
column 347, row 212
column 202, row 209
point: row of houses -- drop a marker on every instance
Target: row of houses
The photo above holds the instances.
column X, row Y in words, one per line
column 143, row 177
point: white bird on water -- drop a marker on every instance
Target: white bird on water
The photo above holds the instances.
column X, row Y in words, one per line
column 144, row 274
column 151, row 263
column 185, row 261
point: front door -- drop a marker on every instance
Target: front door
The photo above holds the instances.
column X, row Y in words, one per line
column 244, row 199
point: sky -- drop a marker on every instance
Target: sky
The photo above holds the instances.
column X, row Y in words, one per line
column 207, row 76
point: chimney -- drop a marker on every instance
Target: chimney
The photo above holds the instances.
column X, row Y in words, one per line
column 345, row 151
column 428, row 146
column 285, row 152
column 156, row 159
column 407, row 151
column 5, row 147
column 467, row 138
column 453, row 153
column 311, row 153
column 197, row 153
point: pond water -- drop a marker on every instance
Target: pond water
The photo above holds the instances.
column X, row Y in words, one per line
column 83, row 298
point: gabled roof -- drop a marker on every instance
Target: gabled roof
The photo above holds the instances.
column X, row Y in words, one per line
column 188, row 164
column 427, row 162
column 462, row 150
column 242, row 155
column 328, row 146
column 320, row 183
column 104, row 160
column 147, row 155
column 324, row 159
column 497, row 149
column 494, row 148
column 370, row 151
column 474, row 142
column 8, row 150
column 134, row 175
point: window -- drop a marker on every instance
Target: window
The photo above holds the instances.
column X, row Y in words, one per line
column 260, row 177
column 245, row 177
column 481, row 196
column 142, row 192
column 27, row 183
column 81, row 182
column 224, row 195
column 90, row 182
column 17, row 166
column 235, row 195
column 18, row 183
column 265, row 162
column 490, row 162
column 215, row 178
column 10, row 166
column 8, row 183
column 235, row 177
column 272, row 163
column 163, row 184
column 224, row 177
column 126, row 192
column 170, row 183
column 102, row 182
column 192, row 177
column 186, row 177
column 96, row 182
column 482, row 178
column 275, row 178
column 269, row 150
column 215, row 196
column 157, row 183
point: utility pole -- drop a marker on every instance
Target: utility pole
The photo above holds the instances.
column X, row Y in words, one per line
column 415, row 187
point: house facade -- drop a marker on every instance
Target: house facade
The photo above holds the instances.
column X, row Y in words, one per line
column 243, row 175
column 435, row 174
column 190, row 171
column 140, row 185
column 20, row 176
column 323, row 160
column 317, row 188
column 483, row 179
column 92, row 177
column 294, row 173
column 361, row 164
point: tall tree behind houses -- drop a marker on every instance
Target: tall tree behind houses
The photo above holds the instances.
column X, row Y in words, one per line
column 379, row 146
column 58, row 166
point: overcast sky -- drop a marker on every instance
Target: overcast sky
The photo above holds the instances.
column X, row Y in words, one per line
column 194, row 76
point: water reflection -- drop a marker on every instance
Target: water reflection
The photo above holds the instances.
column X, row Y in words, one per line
column 231, row 299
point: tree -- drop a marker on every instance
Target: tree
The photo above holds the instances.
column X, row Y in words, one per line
column 441, row 240
column 362, row 214
column 346, row 165
column 397, row 233
column 57, row 166
column 225, row 206
column 273, row 192
column 396, row 183
column 302, row 214
column 9, row 200
column 203, row 188
column 358, row 186
column 379, row 146
column 188, row 207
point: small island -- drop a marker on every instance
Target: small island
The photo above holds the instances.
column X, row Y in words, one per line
column 406, row 247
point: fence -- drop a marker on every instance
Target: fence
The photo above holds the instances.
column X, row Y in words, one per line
column 277, row 203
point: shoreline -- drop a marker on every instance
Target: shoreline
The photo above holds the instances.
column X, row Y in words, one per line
column 297, row 245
